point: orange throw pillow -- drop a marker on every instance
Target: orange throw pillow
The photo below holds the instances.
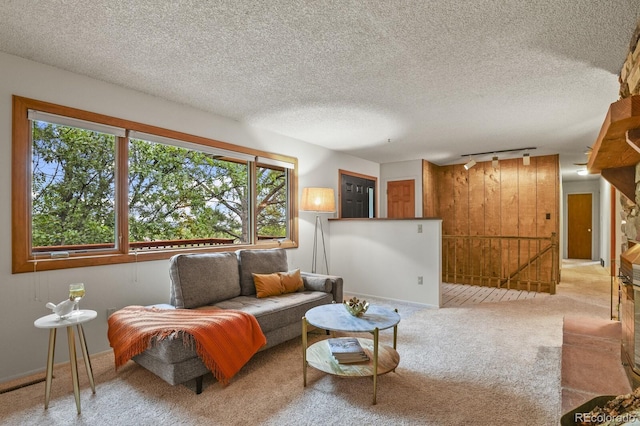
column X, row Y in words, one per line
column 291, row 281
column 267, row 285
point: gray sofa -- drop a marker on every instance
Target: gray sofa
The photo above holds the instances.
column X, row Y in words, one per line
column 225, row 280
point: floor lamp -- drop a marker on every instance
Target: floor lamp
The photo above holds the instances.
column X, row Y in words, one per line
column 318, row 200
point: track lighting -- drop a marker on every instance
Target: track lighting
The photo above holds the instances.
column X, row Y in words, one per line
column 494, row 160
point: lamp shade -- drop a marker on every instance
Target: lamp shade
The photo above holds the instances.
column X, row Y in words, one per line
column 318, row 200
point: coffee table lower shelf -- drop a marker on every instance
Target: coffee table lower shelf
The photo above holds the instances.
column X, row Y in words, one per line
column 319, row 357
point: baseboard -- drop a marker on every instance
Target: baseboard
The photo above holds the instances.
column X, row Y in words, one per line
column 35, row 376
column 406, row 302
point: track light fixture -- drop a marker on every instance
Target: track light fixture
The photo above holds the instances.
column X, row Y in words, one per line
column 470, row 164
column 494, row 161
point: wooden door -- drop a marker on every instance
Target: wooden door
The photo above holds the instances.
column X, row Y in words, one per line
column 579, row 227
column 401, row 198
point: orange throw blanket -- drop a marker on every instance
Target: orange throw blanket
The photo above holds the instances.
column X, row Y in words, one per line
column 225, row 339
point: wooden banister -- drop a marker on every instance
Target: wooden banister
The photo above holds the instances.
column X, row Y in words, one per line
column 525, row 263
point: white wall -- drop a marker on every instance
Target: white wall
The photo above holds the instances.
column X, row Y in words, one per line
column 588, row 186
column 605, row 222
column 384, row 258
column 401, row 170
column 23, row 296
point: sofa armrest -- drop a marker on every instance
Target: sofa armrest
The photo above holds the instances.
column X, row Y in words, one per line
column 326, row 283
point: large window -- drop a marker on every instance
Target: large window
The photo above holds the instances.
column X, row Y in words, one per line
column 178, row 193
column 72, row 187
column 101, row 190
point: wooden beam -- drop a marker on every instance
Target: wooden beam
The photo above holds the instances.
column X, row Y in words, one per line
column 611, row 149
column 624, row 179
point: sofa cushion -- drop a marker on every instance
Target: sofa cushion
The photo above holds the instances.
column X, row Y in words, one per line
column 203, row 279
column 277, row 311
column 263, row 261
column 267, row 285
column 273, row 313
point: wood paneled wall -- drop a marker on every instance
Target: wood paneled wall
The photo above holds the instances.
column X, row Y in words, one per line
column 429, row 189
column 511, row 200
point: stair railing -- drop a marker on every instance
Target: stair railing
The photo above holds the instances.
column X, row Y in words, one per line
column 523, row 263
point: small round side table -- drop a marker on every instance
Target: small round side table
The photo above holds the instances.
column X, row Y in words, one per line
column 334, row 317
column 54, row 322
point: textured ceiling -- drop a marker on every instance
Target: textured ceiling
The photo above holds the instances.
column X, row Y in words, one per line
column 383, row 80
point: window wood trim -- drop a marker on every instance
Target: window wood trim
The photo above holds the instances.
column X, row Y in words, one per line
column 22, row 259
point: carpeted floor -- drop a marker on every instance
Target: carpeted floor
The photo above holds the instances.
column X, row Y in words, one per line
column 484, row 364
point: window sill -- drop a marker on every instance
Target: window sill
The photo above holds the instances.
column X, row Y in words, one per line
column 50, row 264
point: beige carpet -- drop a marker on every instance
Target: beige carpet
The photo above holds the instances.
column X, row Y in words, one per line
column 485, row 364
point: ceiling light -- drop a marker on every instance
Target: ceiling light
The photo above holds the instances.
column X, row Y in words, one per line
column 494, row 161
column 526, row 160
column 470, row 164
column 583, row 172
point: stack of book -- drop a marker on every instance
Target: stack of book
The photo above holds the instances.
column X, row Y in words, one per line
column 347, row 350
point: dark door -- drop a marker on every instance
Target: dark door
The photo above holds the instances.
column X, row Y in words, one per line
column 579, row 226
column 357, row 196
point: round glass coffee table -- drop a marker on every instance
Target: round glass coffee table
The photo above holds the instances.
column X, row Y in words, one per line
column 334, row 317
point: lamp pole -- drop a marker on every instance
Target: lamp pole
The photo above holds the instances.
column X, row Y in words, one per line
column 315, row 247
